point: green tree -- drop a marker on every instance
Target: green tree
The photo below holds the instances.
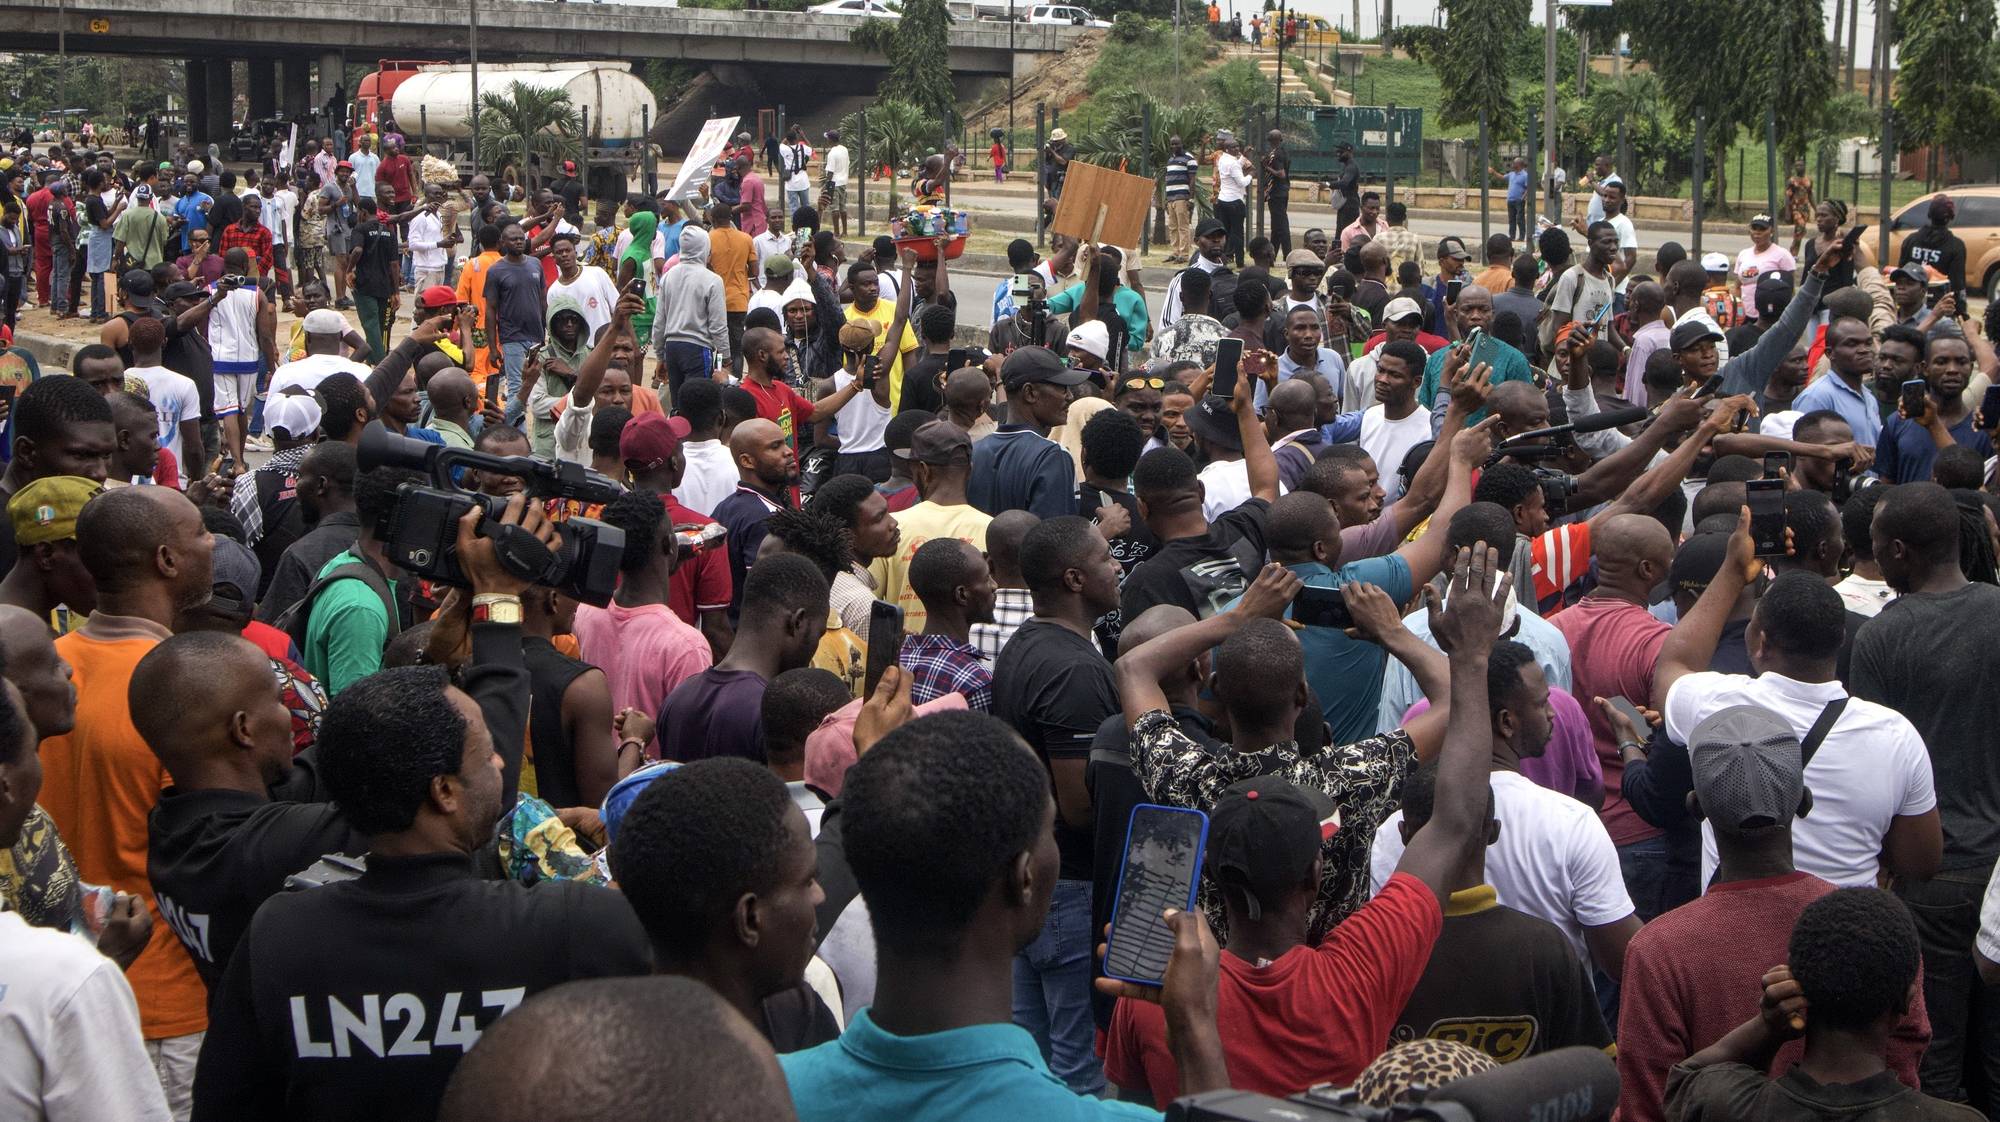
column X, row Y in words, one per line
column 920, row 66
column 1110, row 131
column 897, row 133
column 1796, row 68
column 1948, row 81
column 1473, row 66
column 526, row 127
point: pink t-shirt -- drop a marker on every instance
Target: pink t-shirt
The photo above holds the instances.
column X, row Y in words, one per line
column 1751, row 264
column 1614, row 646
column 644, row 652
column 1569, row 764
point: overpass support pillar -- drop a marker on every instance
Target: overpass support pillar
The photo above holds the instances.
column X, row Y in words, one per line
column 197, row 101
column 331, row 68
column 263, row 87
column 221, row 101
column 297, row 92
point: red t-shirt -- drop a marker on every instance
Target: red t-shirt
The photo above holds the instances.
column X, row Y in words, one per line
column 1315, row 1015
column 1431, row 344
column 395, row 171
column 782, row 405
column 269, row 639
column 701, row 585
column 1614, row 646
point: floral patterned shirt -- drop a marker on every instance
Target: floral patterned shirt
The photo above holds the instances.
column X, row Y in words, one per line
column 1364, row 779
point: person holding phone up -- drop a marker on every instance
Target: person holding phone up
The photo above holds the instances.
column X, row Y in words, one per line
column 1932, row 414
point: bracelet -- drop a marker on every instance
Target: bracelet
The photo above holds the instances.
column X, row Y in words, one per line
column 1631, row 745
column 484, row 598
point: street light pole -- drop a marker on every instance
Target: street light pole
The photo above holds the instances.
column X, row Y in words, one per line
column 1010, row 79
column 1549, row 100
column 472, row 45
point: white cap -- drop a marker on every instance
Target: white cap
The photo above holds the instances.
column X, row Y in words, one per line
column 325, row 321
column 1092, row 338
column 1399, row 307
column 1714, row 263
column 1779, row 424
column 298, row 414
column 195, row 167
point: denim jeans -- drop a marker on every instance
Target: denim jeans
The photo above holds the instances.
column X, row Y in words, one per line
column 59, row 279
column 683, row 361
column 97, row 296
column 795, row 200
column 1965, row 1015
column 1052, row 989
column 513, row 356
column 1517, row 220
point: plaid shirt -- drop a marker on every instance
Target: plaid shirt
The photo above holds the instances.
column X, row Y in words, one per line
column 255, row 241
column 246, row 497
column 939, row 664
column 1011, row 609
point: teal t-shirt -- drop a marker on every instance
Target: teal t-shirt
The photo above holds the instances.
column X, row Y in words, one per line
column 1509, row 365
column 1131, row 308
column 347, row 630
column 985, row 1073
column 1346, row 673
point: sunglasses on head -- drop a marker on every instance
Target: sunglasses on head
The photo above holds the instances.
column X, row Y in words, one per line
column 1143, row 384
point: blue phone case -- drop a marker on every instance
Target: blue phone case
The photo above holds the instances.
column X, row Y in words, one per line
column 1154, row 891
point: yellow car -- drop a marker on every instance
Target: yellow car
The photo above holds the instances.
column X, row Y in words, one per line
column 1977, row 225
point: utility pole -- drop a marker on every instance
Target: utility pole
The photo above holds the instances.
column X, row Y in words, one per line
column 472, row 46
column 1884, row 29
column 1011, row 69
column 1549, row 97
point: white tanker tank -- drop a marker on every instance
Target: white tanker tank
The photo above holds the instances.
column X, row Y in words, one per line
column 437, row 99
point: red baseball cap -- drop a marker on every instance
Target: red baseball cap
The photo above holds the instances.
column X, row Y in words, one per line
column 651, row 439
column 438, row 296
column 569, row 165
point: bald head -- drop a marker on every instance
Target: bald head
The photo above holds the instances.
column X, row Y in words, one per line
column 1003, row 545
column 1475, row 293
column 1685, row 282
column 1522, row 407
column 752, row 435
column 197, row 699
column 1633, row 550
column 659, row 1046
column 132, row 537
column 967, row 389
column 1292, row 405
column 1646, row 299
column 1374, row 259
column 453, row 395
column 1151, row 624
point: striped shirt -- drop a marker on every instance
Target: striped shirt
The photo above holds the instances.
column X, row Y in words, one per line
column 1180, row 175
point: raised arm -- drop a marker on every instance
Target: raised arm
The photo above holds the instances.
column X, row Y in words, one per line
column 1747, row 373
column 1691, row 645
column 1465, row 612
column 595, row 364
column 1258, row 459
column 1469, row 449
column 1139, row 671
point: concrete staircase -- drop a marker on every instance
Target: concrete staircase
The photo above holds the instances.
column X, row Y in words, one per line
column 1290, row 86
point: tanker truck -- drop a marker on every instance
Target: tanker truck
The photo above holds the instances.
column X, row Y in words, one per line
column 429, row 102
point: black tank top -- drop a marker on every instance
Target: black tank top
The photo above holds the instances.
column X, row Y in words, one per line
column 550, row 673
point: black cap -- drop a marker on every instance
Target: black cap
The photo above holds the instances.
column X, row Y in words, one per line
column 1213, row 421
column 1689, row 332
column 1264, row 834
column 1039, row 364
column 1210, row 226
column 180, row 290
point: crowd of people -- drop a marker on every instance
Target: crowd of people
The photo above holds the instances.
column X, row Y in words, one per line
column 1566, row 650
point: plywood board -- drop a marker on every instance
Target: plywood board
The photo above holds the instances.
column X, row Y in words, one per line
column 1124, row 200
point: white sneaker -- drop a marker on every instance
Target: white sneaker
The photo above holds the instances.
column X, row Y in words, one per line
column 257, row 443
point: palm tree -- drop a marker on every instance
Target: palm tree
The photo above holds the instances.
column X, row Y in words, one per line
column 529, row 127
column 1122, row 139
column 896, row 133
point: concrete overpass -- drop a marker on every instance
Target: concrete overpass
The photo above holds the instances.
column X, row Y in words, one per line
column 313, row 42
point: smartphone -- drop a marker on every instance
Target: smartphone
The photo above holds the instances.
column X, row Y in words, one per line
column 634, row 287
column 1472, row 343
column 885, row 642
column 1228, row 358
column 1914, row 392
column 1624, row 705
column 493, row 381
column 1989, row 408
column 1321, row 607
column 1766, row 498
column 7, row 394
column 1160, row 869
column 1852, row 239
column 1776, row 463
column 1024, row 284
column 1603, row 314
column 870, row 367
column 1711, row 387
column 955, row 358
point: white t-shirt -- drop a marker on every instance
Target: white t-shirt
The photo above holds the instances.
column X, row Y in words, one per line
column 72, row 1047
column 277, row 214
column 1751, row 264
column 174, row 400
column 307, row 373
column 1233, row 178
column 1225, row 486
column 1863, row 596
column 594, row 290
column 573, row 431
column 860, row 422
column 1554, row 859
column 1389, row 441
column 1871, row 768
column 710, row 476
column 794, row 158
column 836, row 165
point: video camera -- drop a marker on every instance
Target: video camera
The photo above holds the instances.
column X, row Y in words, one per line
column 1566, row 1085
column 421, row 534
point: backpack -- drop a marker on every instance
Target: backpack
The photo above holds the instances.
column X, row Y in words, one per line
column 295, row 619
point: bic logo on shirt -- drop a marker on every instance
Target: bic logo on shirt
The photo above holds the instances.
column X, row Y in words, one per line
column 345, row 1027
column 1506, row 1039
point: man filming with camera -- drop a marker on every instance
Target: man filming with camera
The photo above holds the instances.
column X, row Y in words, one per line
column 356, row 999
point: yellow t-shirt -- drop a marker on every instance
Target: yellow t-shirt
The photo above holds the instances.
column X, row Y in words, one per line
column 921, row 523
column 882, row 315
